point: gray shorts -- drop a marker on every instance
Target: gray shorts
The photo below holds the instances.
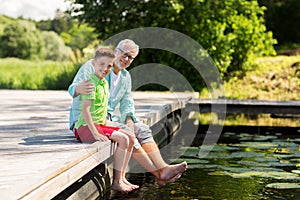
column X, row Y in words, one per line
column 142, row 131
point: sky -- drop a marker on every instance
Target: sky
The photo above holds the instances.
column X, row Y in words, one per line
column 32, row 9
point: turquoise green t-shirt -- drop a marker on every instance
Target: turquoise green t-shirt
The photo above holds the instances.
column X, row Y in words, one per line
column 99, row 105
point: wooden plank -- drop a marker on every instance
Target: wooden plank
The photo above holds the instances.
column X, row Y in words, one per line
column 231, row 106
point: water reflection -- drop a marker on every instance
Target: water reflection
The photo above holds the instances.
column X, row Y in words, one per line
column 243, row 165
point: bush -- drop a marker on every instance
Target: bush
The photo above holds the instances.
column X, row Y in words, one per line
column 21, row 39
column 54, row 47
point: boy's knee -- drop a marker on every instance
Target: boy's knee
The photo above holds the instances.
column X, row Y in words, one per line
column 123, row 139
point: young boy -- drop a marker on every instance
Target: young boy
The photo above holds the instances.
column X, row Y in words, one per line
column 91, row 124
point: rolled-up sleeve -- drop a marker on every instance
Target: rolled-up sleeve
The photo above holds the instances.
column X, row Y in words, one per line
column 83, row 73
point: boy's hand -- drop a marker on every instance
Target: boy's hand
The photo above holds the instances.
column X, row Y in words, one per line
column 85, row 87
column 101, row 138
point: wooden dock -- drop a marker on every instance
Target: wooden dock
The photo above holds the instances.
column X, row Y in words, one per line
column 39, row 156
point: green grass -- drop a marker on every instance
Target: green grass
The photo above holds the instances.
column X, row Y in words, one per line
column 23, row 74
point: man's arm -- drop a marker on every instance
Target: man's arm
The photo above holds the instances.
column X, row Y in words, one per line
column 85, row 87
column 130, row 123
column 80, row 84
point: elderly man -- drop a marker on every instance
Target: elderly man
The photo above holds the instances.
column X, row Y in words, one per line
column 146, row 151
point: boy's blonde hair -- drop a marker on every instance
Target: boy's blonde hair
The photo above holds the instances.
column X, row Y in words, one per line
column 103, row 51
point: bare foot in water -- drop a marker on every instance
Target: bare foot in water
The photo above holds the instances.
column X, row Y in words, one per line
column 121, row 186
column 130, row 184
column 172, row 171
column 171, row 180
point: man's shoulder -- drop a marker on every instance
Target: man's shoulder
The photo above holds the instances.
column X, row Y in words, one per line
column 87, row 64
column 124, row 72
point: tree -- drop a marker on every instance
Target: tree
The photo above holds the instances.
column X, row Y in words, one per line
column 21, row 39
column 54, row 47
column 232, row 31
column 283, row 19
column 61, row 23
column 79, row 36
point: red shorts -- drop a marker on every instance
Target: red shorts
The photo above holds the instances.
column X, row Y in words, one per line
column 84, row 134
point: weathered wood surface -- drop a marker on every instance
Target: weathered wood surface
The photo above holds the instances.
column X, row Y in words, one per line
column 231, row 106
column 38, row 154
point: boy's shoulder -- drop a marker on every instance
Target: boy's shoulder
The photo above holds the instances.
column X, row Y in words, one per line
column 94, row 79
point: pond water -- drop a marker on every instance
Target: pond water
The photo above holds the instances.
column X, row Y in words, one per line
column 246, row 163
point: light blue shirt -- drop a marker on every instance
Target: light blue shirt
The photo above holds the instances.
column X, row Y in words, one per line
column 122, row 95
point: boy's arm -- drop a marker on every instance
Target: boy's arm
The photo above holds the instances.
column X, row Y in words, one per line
column 86, row 104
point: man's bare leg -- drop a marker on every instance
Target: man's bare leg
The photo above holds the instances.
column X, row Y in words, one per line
column 141, row 157
column 166, row 172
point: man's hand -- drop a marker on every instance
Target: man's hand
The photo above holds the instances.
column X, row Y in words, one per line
column 130, row 123
column 85, row 87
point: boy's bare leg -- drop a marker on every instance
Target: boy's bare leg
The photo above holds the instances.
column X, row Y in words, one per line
column 128, row 154
column 119, row 162
column 118, row 183
column 167, row 172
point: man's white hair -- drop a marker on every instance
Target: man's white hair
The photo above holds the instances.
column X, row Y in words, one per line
column 129, row 45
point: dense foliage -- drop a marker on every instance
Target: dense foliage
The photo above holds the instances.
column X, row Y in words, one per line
column 54, row 47
column 21, row 39
column 74, row 35
column 232, row 31
column 48, row 39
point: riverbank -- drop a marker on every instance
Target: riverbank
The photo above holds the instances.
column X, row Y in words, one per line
column 268, row 78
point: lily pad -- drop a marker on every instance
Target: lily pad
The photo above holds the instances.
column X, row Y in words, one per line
column 246, row 155
column 252, row 163
column 229, row 133
column 204, row 166
column 268, row 159
column 280, row 175
column 190, row 151
column 297, row 140
column 218, row 173
column 265, row 174
column 190, row 161
column 256, row 145
column 296, row 171
column 284, row 185
column 217, row 148
column 264, row 138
